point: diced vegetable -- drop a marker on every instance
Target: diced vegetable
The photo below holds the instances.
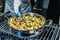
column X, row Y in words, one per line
column 28, row 23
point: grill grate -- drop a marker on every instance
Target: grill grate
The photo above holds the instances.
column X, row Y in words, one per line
column 50, row 32
column 47, row 33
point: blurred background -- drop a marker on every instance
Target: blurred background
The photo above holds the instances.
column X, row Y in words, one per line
column 50, row 9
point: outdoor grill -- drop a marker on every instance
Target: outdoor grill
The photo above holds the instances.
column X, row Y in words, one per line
column 50, row 31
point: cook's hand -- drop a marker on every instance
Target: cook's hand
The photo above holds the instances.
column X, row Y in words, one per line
column 19, row 14
column 17, row 3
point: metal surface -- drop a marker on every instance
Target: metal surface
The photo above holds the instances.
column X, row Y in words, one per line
column 59, row 20
column 48, row 32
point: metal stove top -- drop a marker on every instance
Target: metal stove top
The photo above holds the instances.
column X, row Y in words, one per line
column 50, row 31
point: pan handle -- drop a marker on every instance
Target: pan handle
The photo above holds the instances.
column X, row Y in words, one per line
column 49, row 22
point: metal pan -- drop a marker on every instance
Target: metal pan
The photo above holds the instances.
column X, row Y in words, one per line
column 29, row 31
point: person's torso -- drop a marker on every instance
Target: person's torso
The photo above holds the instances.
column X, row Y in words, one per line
column 25, row 5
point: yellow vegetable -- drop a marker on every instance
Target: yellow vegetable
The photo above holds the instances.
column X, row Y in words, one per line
column 28, row 23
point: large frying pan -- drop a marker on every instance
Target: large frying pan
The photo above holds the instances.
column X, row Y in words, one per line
column 29, row 31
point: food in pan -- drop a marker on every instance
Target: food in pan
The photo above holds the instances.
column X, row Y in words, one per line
column 27, row 23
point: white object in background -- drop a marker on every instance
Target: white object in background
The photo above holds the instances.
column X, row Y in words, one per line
column 17, row 3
